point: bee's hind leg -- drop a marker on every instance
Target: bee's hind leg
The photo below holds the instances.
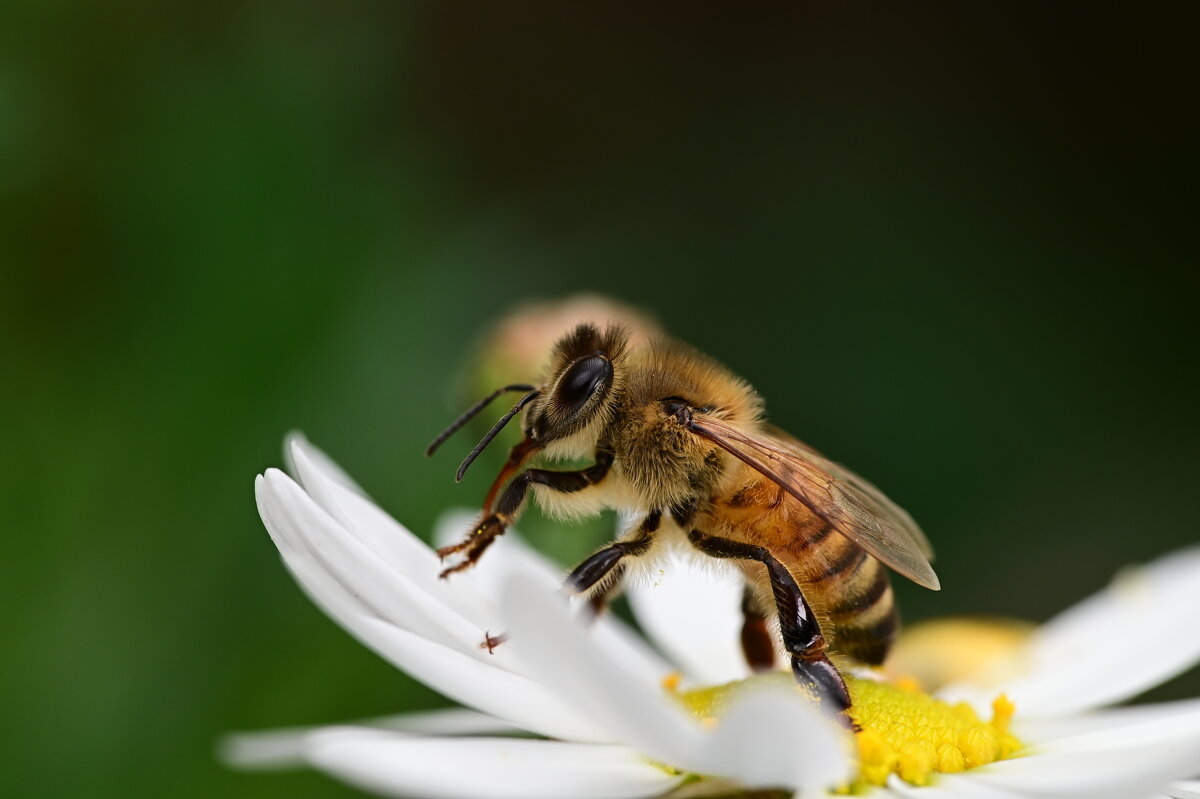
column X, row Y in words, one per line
column 798, row 625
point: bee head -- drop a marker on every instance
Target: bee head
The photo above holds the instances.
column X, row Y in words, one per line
column 579, row 388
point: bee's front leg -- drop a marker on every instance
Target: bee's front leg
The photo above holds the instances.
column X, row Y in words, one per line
column 797, row 624
column 510, row 503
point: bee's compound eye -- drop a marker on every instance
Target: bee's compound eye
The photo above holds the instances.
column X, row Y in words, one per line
column 581, row 381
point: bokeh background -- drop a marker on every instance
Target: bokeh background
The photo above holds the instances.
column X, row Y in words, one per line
column 953, row 246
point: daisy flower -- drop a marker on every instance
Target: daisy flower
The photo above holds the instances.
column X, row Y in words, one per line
column 564, row 709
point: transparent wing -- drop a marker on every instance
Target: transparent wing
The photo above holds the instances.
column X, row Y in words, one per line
column 855, row 508
column 880, row 505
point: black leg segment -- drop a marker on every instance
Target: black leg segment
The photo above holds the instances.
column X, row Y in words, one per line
column 598, row 600
column 798, row 626
column 510, row 501
column 600, row 565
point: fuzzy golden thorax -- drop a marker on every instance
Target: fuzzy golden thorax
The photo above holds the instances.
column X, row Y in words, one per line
column 660, row 461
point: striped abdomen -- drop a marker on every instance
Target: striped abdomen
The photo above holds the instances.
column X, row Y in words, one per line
column 848, row 589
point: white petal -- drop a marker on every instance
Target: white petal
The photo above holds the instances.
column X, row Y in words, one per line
column 328, row 595
column 693, row 612
column 451, row 721
column 1078, row 775
column 380, row 590
column 1135, row 761
column 1079, row 659
column 284, row 748
column 297, row 441
column 488, row 768
column 774, row 737
column 470, row 680
column 949, row 786
column 1049, row 730
column 629, row 706
column 383, row 535
column 1187, row 789
column 517, row 699
column 268, row 750
column 513, row 556
column 1133, row 753
column 1159, row 727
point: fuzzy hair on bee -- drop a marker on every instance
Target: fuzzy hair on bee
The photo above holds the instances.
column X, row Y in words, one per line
column 681, row 443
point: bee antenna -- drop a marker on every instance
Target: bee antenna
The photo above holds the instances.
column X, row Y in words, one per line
column 470, row 413
column 496, row 428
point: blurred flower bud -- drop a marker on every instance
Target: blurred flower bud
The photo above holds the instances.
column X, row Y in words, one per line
column 936, row 653
column 517, row 347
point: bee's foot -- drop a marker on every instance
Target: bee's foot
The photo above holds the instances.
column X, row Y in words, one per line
column 447, row 551
column 456, row 568
column 819, row 675
column 473, row 546
column 490, row 642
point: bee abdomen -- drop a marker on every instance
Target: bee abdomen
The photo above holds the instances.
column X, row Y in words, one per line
column 868, row 643
column 862, row 617
column 847, row 588
column 855, row 594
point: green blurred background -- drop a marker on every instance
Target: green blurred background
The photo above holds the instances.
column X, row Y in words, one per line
column 953, row 246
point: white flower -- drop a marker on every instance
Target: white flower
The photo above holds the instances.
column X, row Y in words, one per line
column 594, row 696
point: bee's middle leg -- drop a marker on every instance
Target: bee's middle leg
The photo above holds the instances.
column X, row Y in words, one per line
column 508, row 506
column 606, row 564
column 797, row 624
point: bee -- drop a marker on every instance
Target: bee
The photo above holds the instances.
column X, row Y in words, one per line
column 681, row 443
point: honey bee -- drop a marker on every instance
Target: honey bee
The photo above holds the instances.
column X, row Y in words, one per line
column 681, row 442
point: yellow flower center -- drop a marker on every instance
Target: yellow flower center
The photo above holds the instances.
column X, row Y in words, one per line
column 901, row 730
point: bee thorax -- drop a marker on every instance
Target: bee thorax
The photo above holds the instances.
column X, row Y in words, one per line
column 660, row 462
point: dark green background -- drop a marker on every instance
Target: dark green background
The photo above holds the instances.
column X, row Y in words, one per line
column 952, row 246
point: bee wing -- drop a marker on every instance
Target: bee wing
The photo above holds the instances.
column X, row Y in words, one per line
column 855, row 508
column 879, row 503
